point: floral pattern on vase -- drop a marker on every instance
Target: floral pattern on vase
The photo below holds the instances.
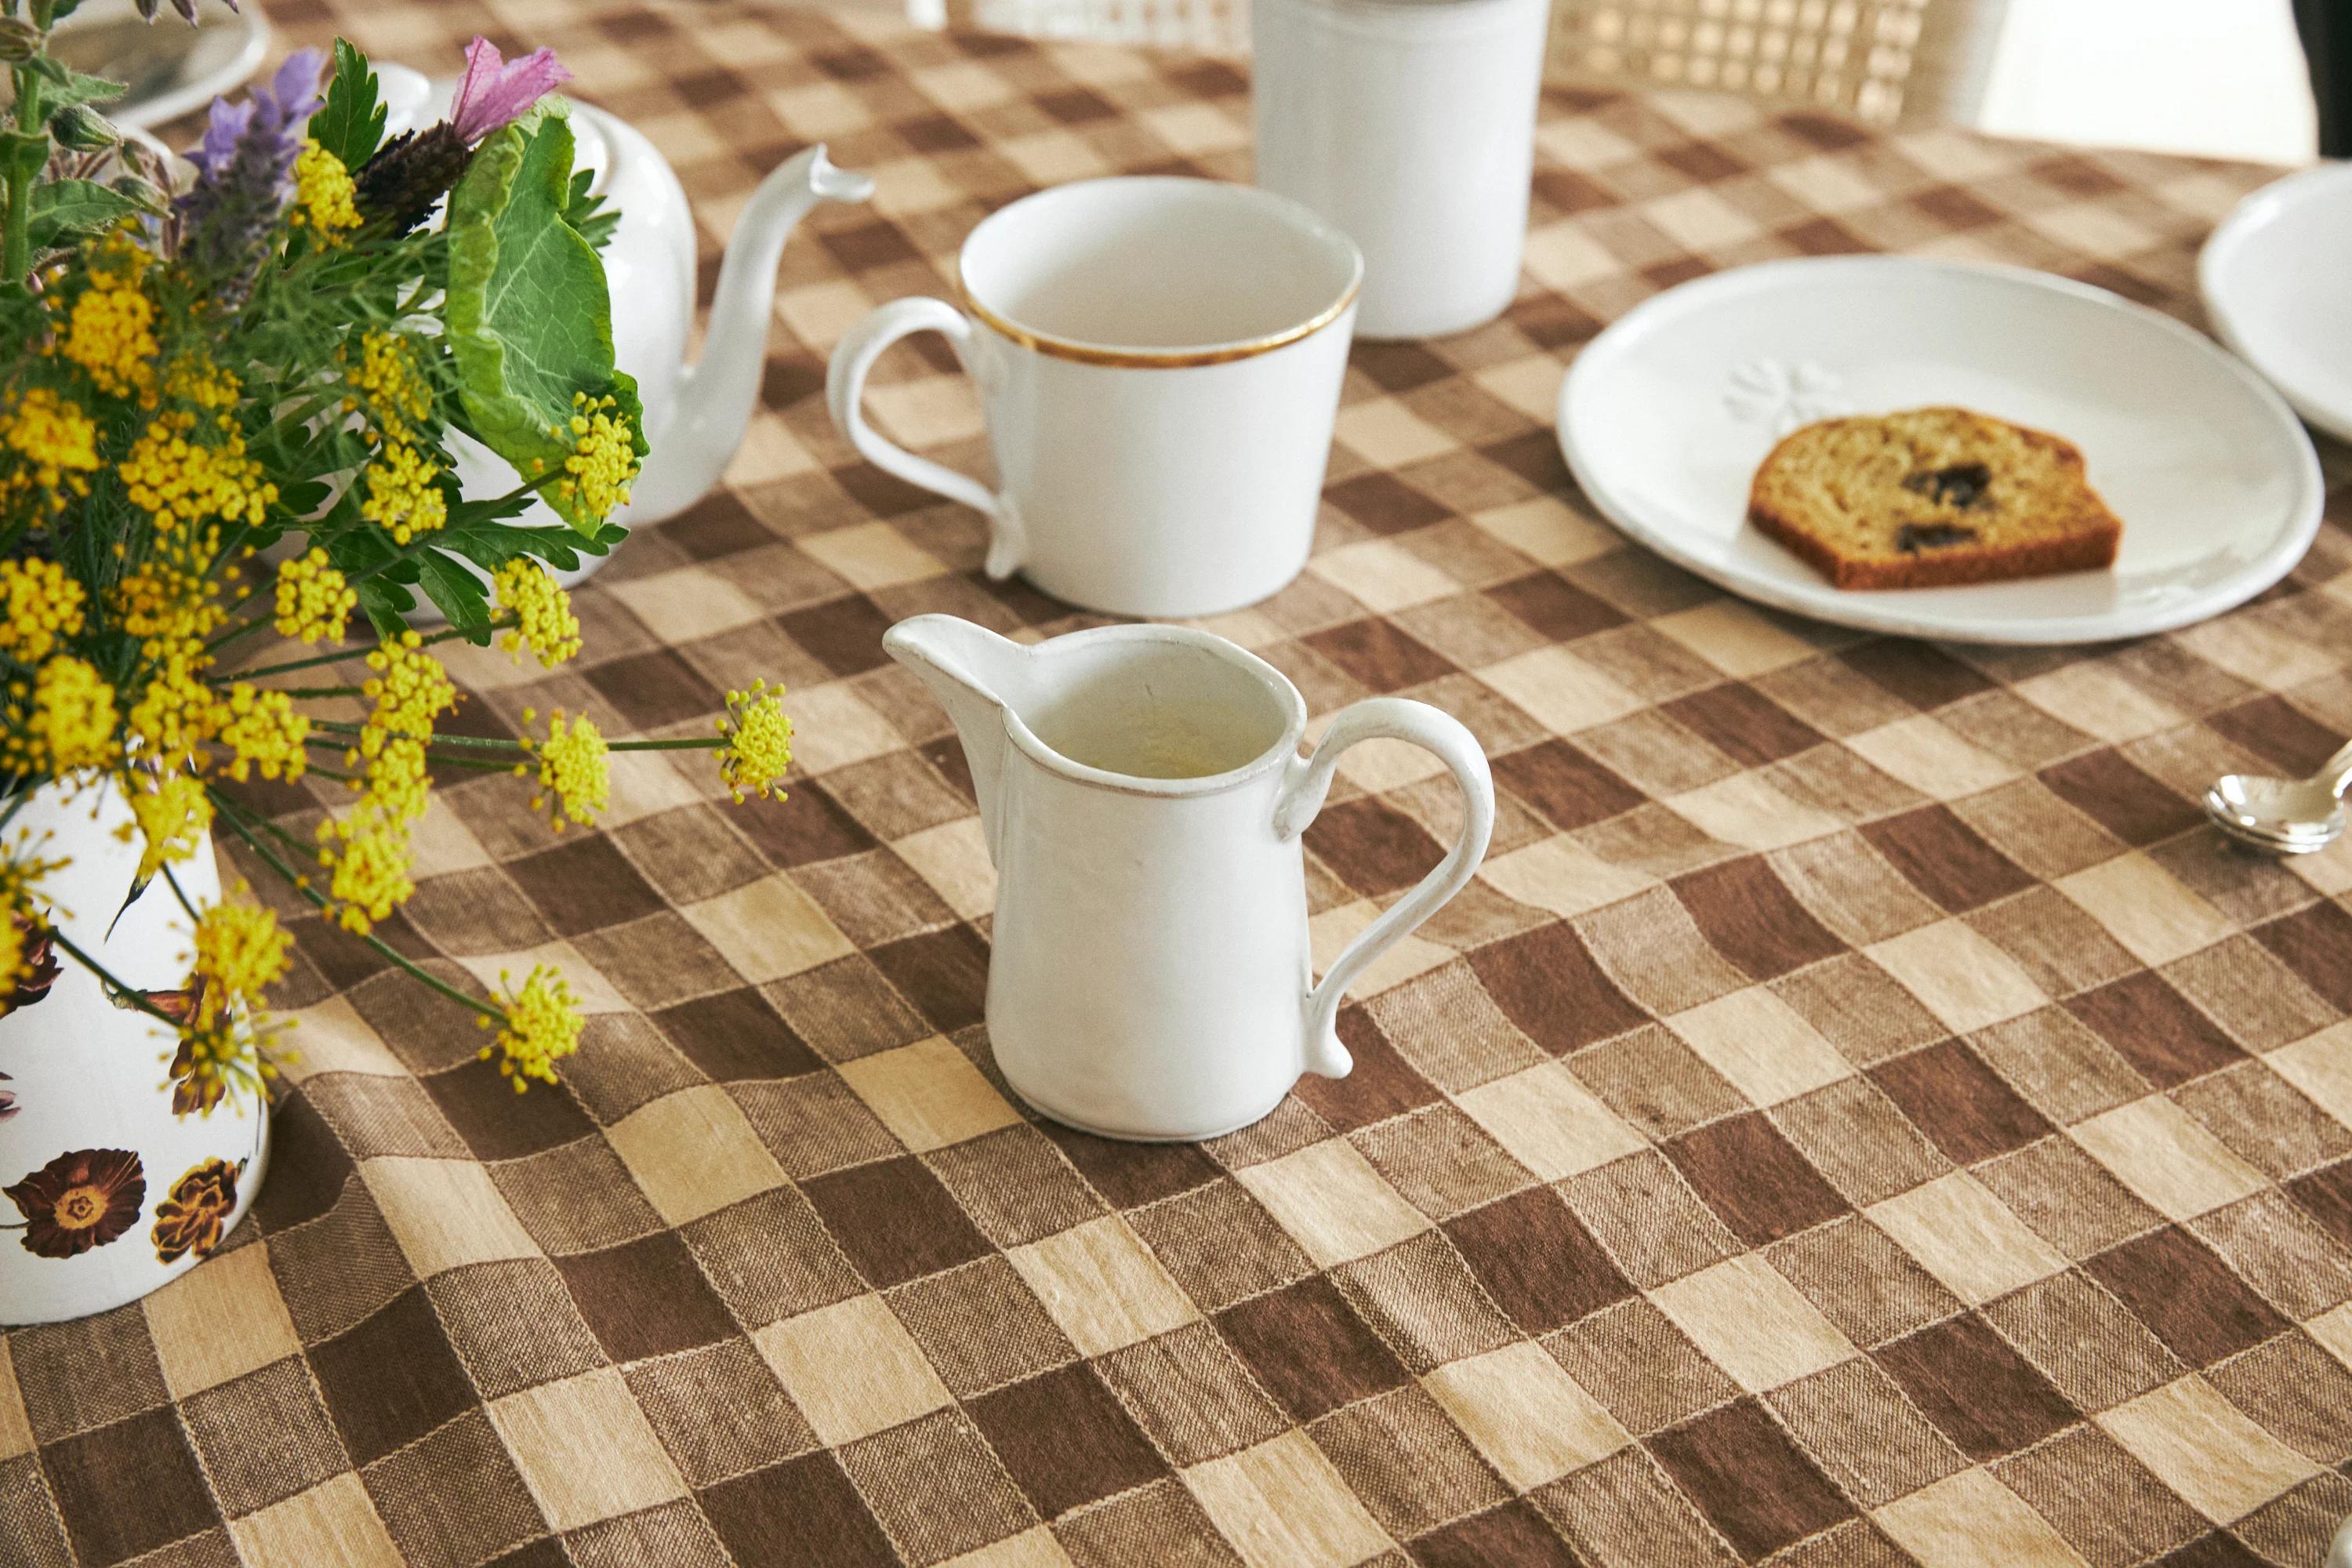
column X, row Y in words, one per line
column 81, row 1199
column 41, row 970
column 188, row 1223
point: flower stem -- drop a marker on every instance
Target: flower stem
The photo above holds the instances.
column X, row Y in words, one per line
column 315, row 661
column 481, row 742
column 106, row 977
column 690, row 743
column 16, row 244
column 328, row 743
column 238, row 825
column 174, row 883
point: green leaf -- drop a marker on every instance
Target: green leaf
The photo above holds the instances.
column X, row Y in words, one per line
column 302, row 497
column 476, row 509
column 529, row 319
column 65, row 86
column 458, row 595
column 25, row 153
column 350, row 125
column 596, row 220
column 492, row 546
column 386, row 606
column 62, row 207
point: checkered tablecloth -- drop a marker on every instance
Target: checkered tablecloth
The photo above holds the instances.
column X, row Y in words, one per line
column 1856, row 1117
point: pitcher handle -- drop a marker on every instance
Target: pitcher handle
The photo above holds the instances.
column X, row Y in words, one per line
column 845, row 392
column 1393, row 718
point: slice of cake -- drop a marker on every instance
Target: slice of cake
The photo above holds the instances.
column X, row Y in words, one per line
column 1931, row 497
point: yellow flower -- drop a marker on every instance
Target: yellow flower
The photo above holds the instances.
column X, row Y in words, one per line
column 168, row 601
column 322, row 192
column 543, row 613
column 392, row 385
column 179, row 478
column 13, row 966
column 112, row 335
column 573, row 769
column 172, row 814
column 20, row 919
column 262, row 730
column 395, row 779
column 542, row 1024
column 604, row 457
column 171, row 604
column 196, row 379
column 69, row 722
column 41, row 604
column 759, row 742
column 369, row 857
column 314, row 602
column 240, row 954
column 402, row 497
column 58, row 441
column 177, row 713
column 409, row 687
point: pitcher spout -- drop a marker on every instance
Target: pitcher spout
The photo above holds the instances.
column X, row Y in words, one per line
column 976, row 675
column 715, row 397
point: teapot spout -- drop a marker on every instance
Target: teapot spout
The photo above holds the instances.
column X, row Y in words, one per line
column 976, row 675
column 714, row 399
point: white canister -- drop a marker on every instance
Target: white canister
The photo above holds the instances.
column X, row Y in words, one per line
column 1409, row 125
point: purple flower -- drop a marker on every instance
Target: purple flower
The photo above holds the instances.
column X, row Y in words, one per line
column 494, row 92
column 244, row 174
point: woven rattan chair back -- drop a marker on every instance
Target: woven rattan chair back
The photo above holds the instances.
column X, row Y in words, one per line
column 1883, row 60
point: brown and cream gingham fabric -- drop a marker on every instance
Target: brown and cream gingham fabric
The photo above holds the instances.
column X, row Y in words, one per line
column 1857, row 1116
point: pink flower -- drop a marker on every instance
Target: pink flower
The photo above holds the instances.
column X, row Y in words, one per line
column 494, row 92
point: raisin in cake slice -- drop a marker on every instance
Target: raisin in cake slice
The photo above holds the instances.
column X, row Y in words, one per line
column 1931, row 497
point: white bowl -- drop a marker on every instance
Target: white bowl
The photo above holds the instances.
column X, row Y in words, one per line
column 170, row 66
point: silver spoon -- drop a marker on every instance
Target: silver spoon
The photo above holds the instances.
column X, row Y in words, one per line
column 2283, row 816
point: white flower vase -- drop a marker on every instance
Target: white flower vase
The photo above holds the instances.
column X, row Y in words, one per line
column 106, row 1191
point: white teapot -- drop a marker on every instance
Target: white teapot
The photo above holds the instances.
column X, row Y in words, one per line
column 695, row 414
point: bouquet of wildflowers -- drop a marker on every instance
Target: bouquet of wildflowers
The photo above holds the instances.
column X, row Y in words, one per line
column 275, row 353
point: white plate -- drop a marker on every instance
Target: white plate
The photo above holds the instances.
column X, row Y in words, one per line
column 170, row 66
column 2276, row 286
column 1664, row 417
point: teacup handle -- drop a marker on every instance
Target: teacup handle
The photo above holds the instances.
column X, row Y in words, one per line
column 1393, row 718
column 844, row 393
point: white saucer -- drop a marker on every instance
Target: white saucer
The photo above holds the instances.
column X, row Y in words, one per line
column 170, row 66
column 2276, row 285
column 1664, row 417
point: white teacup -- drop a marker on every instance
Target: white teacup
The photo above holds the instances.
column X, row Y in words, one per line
column 1159, row 362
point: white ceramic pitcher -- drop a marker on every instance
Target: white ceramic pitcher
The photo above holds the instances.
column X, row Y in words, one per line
column 1142, row 795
